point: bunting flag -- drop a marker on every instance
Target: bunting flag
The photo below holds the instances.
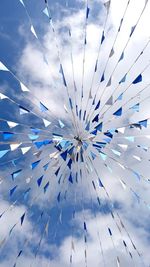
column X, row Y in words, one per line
column 74, row 133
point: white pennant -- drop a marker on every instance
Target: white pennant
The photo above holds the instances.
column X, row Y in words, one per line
column 33, row 31
column 46, row 123
column 12, row 124
column 3, row 67
column 25, row 149
column 23, row 87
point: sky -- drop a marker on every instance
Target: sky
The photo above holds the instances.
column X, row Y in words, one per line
column 74, row 133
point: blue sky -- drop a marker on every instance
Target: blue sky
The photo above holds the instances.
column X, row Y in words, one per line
column 53, row 208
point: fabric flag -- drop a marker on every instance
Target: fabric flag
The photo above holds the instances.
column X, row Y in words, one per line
column 63, row 76
column 118, row 112
column 138, row 79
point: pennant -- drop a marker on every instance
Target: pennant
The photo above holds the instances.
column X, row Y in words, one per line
column 14, row 146
column 35, row 164
column 143, row 123
column 13, row 190
column 123, row 79
column 120, row 97
column 107, row 5
column 23, row 110
column 109, row 83
column 70, row 179
column 132, row 30
column 122, row 57
column 58, row 197
column 15, row 174
column 98, row 105
column 61, row 124
column 25, row 149
column 120, row 25
column 69, row 163
column 7, row 135
column 39, row 181
column 22, row 218
column 111, row 53
column 2, row 96
column 103, row 156
column 103, row 37
column 109, row 101
column 3, row 67
column 87, row 128
column 87, row 12
column 21, row 1
column 96, row 66
column 3, row 153
column 100, row 183
column 118, row 112
column 12, row 124
column 99, row 127
column 33, row 31
column 63, row 76
column 46, row 122
column 138, row 79
column 102, row 78
column 109, row 230
column 116, row 152
column 23, row 87
column 43, row 108
column 46, row 187
column 45, row 11
column 64, row 155
column 135, row 107
column 96, row 118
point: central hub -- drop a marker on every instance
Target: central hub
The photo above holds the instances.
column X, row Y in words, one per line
column 77, row 138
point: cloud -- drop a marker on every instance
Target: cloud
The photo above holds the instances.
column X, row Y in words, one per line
column 45, row 83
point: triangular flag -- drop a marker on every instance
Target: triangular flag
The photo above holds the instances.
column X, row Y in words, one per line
column 25, row 149
column 98, row 105
column 45, row 11
column 118, row 112
column 43, row 107
column 138, row 79
column 14, row 146
column 122, row 56
column 22, row 218
column 123, row 146
column 23, row 87
column 132, row 30
column 99, row 127
column 107, row 5
column 23, row 110
column 2, row 96
column 111, row 52
column 46, row 122
column 3, row 152
column 39, row 181
column 13, row 190
column 102, row 78
column 109, row 101
column 123, row 79
column 121, row 130
column 109, row 82
column 87, row 12
column 12, row 124
column 3, row 67
column 33, row 31
column 62, row 125
column 103, row 37
column 136, row 107
column 21, row 1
